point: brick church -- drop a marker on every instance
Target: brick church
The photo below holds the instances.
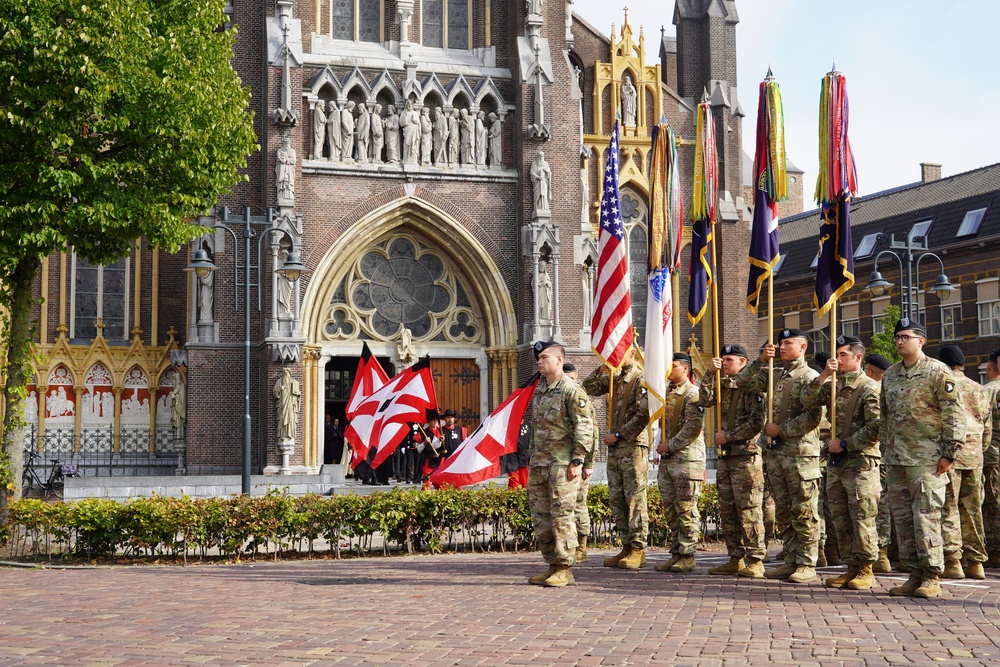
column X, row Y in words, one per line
column 435, row 166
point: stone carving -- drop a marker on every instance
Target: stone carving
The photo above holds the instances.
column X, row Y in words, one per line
column 541, row 182
column 533, row 6
column 426, row 136
column 392, row 136
column 378, row 134
column 288, row 399
column 407, row 355
column 409, row 121
column 454, row 137
column 364, row 132
column 482, row 139
column 588, row 293
column 628, row 101
column 284, row 171
column 178, row 406
column 468, row 138
column 206, row 297
column 333, row 131
column 496, row 137
column 544, row 292
column 440, row 137
column 347, row 132
column 319, row 129
column 284, row 289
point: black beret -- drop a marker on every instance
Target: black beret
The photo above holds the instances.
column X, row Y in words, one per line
column 820, row 358
column 878, row 361
column 995, row 355
column 952, row 355
column 680, row 356
column 542, row 345
column 906, row 324
column 568, row 367
column 843, row 340
column 737, row 350
column 792, row 333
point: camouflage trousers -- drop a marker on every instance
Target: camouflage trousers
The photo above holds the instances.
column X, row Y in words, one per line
column 962, row 516
column 916, row 497
column 794, row 481
column 740, row 481
column 821, row 503
column 883, row 523
column 680, row 495
column 852, row 494
column 991, row 508
column 768, row 510
column 552, row 500
column 628, row 478
column 582, row 512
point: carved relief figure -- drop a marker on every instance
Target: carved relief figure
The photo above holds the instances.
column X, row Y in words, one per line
column 541, row 182
column 284, row 289
column 454, row 137
column 405, row 351
column 206, row 297
column 588, row 293
column 409, row 121
column 347, row 132
column 533, row 6
column 440, row 137
column 496, row 136
column 426, row 135
column 378, row 134
column 333, row 131
column 392, row 136
column 468, row 138
column 284, row 171
column 319, row 129
column 288, row 398
column 178, row 406
column 364, row 132
column 544, row 292
column 482, row 137
column 628, row 101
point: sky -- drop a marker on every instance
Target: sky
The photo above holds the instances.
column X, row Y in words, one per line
column 922, row 77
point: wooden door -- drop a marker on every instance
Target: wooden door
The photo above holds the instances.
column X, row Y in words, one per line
column 456, row 382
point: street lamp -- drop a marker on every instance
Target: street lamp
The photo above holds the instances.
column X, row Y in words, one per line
column 878, row 285
column 292, row 268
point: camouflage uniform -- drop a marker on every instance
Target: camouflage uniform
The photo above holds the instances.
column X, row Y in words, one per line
column 853, row 483
column 922, row 421
column 561, row 430
column 628, row 459
column 883, row 522
column 792, row 462
column 582, row 511
column 682, row 468
column 739, row 476
column 962, row 518
column 991, row 472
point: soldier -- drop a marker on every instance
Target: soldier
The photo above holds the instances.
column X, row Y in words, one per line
column 628, row 455
column 852, row 473
column 792, row 454
column 991, row 464
column 740, row 473
column 561, row 438
column 875, row 366
column 682, row 464
column 582, row 511
column 922, row 429
column 962, row 521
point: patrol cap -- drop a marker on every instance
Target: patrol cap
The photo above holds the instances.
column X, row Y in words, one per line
column 737, row 350
column 878, row 361
column 792, row 333
column 952, row 355
column 542, row 345
column 843, row 340
column 683, row 358
column 569, row 367
column 906, row 324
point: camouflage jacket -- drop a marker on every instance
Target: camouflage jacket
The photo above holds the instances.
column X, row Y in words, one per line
column 978, row 425
column 922, row 418
column 862, row 428
column 561, row 425
column 630, row 413
column 743, row 413
column 683, row 430
column 991, row 457
column 798, row 432
column 588, row 460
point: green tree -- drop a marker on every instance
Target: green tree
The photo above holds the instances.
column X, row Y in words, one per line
column 118, row 119
column 882, row 343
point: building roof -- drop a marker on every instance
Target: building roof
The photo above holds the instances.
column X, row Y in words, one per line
column 748, row 168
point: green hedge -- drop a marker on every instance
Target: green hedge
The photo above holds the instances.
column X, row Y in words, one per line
column 485, row 519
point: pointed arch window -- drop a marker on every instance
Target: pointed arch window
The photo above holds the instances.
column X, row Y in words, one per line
column 635, row 216
column 100, row 292
column 445, row 23
column 356, row 20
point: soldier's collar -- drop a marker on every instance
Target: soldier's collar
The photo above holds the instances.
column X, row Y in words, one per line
column 795, row 363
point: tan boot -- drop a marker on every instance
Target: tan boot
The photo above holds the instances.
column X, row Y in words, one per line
column 539, row 579
column 783, row 572
column 911, row 584
column 821, row 559
column 953, row 569
column 864, row 580
column 732, row 567
column 993, row 561
column 685, row 564
column 581, row 549
column 803, row 574
column 975, row 571
column 665, row 567
column 563, row 576
column 635, row 559
column 930, row 587
column 753, row 570
column 612, row 561
column 832, row 552
column 882, row 565
column 841, row 579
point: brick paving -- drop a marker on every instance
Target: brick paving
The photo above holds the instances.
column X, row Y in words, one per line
column 430, row 611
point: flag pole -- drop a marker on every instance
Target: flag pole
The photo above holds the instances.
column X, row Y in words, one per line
column 770, row 341
column 833, row 377
column 715, row 331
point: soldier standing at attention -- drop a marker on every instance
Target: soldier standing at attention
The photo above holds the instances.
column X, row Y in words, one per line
column 561, row 438
column 991, row 464
column 582, row 511
column 740, row 473
column 962, row 521
column 922, row 429
column 853, row 484
column 875, row 366
column 682, row 464
column 793, row 454
column 628, row 456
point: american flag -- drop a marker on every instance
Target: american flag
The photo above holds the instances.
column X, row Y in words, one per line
column 611, row 328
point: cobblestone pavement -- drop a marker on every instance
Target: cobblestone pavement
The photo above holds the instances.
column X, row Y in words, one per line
column 476, row 610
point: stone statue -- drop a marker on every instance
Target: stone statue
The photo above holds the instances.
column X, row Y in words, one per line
column 284, row 171
column 392, row 136
column 544, row 292
column 588, row 293
column 533, row 6
column 364, row 132
column 206, row 297
column 178, row 406
column 284, row 289
column 468, row 138
column 319, row 129
column 628, row 101
column 347, row 132
column 454, row 138
column 440, row 137
column 407, row 355
column 409, row 121
column 378, row 134
column 496, row 136
column 426, row 136
column 333, row 131
column 541, row 182
column 288, row 396
column 482, row 139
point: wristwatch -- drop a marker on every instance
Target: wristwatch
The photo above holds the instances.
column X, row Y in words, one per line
column 576, row 462
column 618, row 436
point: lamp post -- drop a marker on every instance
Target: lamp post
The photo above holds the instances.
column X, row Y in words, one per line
column 292, row 268
column 909, row 270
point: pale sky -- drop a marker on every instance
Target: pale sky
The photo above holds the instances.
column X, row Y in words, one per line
column 923, row 77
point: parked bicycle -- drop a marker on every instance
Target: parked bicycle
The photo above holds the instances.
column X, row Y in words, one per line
column 53, row 485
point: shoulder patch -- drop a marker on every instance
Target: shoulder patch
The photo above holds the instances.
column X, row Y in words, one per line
column 582, row 402
column 642, row 391
column 760, row 398
column 701, row 409
column 949, row 387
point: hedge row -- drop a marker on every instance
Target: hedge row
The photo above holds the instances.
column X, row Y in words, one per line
column 484, row 519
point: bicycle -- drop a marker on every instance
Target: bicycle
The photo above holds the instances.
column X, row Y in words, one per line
column 51, row 486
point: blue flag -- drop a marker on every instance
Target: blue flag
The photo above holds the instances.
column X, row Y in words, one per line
column 702, row 272
column 835, row 264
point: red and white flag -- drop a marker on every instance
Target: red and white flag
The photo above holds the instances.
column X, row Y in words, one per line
column 478, row 457
column 369, row 378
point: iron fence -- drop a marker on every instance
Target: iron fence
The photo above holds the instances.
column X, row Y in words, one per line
column 95, row 452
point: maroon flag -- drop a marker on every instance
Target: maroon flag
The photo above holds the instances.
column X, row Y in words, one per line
column 369, row 378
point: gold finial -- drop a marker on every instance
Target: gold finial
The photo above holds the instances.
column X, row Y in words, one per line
column 136, row 333
column 62, row 330
column 171, row 333
column 100, row 327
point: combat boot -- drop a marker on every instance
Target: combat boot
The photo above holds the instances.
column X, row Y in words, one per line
column 841, row 579
column 563, row 576
column 539, row 579
column 780, row 556
column 685, row 564
column 612, row 561
column 975, row 571
column 994, row 560
column 665, row 567
column 581, row 549
column 732, row 567
column 821, row 559
column 911, row 584
column 864, row 580
column 832, row 552
column 783, row 572
column 635, row 559
column 930, row 587
column 803, row 574
column 953, row 569
column 882, row 565
column 753, row 570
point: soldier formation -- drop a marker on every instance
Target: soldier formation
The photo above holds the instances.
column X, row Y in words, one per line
column 916, row 441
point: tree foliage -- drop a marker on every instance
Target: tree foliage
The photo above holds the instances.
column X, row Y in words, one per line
column 882, row 343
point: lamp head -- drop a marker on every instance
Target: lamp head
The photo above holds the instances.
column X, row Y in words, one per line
column 877, row 285
column 942, row 287
column 201, row 264
column 293, row 267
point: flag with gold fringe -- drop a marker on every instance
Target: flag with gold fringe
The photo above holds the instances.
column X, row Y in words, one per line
column 705, row 197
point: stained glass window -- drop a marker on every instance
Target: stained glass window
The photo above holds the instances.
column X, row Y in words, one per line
column 370, row 23
column 431, row 26
column 100, row 291
column 634, row 216
column 343, row 19
column 458, row 24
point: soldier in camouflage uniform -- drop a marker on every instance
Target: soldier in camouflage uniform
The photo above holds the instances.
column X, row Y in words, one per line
column 852, row 473
column 991, row 464
column 682, row 464
column 875, row 366
column 922, row 429
column 962, row 521
column 582, row 511
column 628, row 456
column 561, row 438
column 793, row 455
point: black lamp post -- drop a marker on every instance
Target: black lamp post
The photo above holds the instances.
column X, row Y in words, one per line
column 292, row 269
column 877, row 285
